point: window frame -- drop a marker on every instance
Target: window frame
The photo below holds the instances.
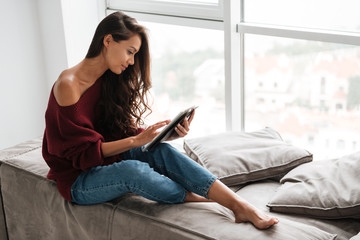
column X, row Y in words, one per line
column 204, row 11
column 312, row 34
column 175, row 20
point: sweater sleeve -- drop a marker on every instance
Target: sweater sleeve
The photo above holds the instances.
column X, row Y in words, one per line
column 71, row 135
column 139, row 130
column 85, row 155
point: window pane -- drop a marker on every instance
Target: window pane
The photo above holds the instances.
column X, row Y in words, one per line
column 308, row 91
column 335, row 15
column 188, row 69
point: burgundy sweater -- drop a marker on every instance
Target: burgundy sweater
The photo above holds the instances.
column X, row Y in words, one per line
column 71, row 144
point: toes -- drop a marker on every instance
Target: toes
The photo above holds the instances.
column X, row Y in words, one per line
column 269, row 223
column 265, row 222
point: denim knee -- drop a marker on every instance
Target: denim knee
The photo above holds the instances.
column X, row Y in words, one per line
column 141, row 179
column 164, row 147
column 165, row 150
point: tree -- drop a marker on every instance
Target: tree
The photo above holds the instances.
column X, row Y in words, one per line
column 174, row 72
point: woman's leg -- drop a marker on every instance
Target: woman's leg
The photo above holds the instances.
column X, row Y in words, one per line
column 200, row 183
column 105, row 183
column 169, row 161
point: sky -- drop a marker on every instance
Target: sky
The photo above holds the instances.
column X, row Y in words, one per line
column 327, row 14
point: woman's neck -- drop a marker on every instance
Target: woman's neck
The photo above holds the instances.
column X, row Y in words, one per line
column 91, row 69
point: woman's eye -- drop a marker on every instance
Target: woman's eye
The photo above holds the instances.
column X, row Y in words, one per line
column 130, row 52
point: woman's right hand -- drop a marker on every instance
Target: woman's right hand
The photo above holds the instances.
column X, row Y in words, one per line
column 116, row 147
column 150, row 133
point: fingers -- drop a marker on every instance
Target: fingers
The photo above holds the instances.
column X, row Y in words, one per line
column 187, row 121
column 152, row 131
column 182, row 131
column 185, row 125
column 192, row 116
column 158, row 125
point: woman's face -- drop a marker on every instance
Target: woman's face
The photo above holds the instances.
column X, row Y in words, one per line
column 119, row 55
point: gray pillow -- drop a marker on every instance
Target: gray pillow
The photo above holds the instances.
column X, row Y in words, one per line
column 241, row 157
column 325, row 189
column 356, row 237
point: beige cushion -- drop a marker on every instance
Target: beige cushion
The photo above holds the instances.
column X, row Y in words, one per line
column 240, row 157
column 325, row 189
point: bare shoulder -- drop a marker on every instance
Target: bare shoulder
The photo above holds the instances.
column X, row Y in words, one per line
column 66, row 89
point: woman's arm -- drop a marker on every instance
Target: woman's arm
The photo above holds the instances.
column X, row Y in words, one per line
column 109, row 149
column 116, row 147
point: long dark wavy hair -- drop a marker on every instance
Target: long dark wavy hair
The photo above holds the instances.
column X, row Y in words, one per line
column 124, row 96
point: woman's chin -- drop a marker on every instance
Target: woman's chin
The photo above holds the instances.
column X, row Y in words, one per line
column 116, row 71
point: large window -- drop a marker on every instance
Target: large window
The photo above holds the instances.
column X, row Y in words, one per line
column 290, row 65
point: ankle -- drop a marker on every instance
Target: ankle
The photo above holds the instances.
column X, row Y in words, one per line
column 239, row 206
column 192, row 197
column 243, row 208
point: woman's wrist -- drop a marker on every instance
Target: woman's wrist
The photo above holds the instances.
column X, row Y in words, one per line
column 116, row 147
column 133, row 142
column 136, row 141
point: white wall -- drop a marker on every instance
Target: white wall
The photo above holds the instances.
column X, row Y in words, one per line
column 22, row 77
column 54, row 49
column 39, row 38
column 81, row 18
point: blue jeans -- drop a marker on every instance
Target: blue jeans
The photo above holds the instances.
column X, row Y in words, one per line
column 163, row 175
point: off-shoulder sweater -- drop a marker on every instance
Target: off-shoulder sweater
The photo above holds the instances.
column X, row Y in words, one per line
column 71, row 144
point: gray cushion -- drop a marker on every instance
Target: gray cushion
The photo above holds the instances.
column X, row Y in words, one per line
column 327, row 189
column 356, row 237
column 240, row 157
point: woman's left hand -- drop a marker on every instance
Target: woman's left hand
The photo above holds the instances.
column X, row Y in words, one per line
column 183, row 128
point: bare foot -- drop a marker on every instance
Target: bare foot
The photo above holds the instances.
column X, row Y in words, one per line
column 248, row 213
column 243, row 210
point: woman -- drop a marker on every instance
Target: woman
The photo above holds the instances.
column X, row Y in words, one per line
column 92, row 142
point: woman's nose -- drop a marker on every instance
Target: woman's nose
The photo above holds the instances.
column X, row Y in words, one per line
column 131, row 61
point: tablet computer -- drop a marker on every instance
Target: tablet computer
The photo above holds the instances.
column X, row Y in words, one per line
column 169, row 129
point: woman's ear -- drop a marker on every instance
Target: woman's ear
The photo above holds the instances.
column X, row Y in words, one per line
column 107, row 39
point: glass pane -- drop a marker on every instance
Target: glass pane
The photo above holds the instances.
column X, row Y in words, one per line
column 307, row 91
column 188, row 69
column 335, row 15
